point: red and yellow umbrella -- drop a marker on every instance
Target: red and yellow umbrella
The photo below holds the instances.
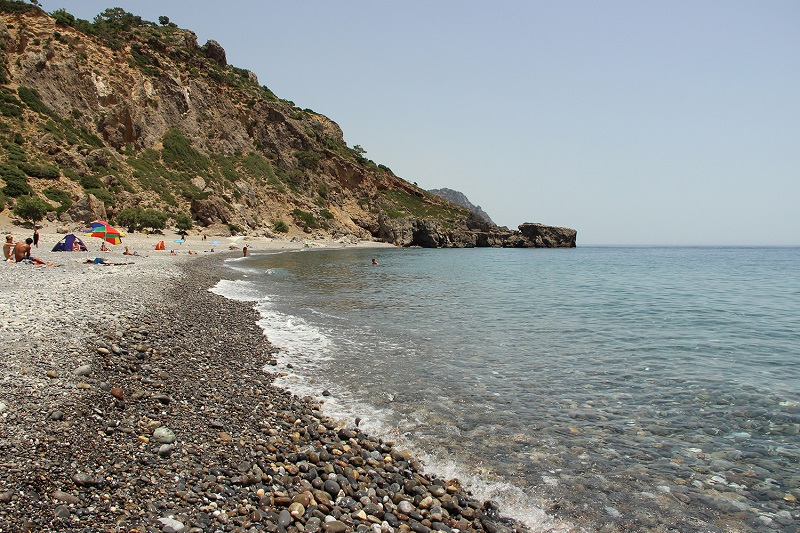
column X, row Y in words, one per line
column 103, row 230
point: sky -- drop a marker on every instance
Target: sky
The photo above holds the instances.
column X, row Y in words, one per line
column 633, row 122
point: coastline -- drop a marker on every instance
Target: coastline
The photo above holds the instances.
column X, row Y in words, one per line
column 107, row 364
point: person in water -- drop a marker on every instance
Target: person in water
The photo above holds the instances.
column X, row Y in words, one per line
column 374, row 262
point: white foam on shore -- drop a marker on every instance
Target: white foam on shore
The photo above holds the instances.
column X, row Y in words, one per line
column 303, row 347
column 298, row 339
column 239, row 290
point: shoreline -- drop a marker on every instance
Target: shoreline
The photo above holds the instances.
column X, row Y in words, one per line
column 107, row 365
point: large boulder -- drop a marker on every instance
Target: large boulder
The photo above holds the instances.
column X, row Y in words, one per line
column 211, row 211
column 87, row 208
column 214, row 51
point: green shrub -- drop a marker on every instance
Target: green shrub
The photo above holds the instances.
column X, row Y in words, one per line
column 257, row 166
column 179, row 154
column 136, row 219
column 305, row 219
column 10, row 106
column 308, row 160
column 280, row 226
column 183, row 221
column 234, row 229
column 15, row 153
column 60, row 196
column 91, row 182
column 63, row 18
column 32, row 99
column 36, row 171
column 103, row 195
column 16, row 181
column 2, row 201
column 31, row 208
column 326, row 214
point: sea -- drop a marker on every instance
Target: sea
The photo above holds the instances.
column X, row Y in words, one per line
column 587, row 389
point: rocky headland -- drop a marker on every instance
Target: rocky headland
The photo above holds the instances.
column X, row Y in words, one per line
column 137, row 123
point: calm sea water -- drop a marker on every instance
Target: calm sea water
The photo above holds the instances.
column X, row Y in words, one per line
column 631, row 389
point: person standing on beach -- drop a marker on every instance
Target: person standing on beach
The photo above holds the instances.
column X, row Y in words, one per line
column 36, row 237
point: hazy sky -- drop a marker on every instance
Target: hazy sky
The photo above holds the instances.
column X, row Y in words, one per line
column 634, row 122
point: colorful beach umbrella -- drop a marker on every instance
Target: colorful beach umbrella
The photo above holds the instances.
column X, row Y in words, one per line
column 103, row 230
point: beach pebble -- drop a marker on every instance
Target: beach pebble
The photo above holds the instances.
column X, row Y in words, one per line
column 334, row 526
column 83, row 370
column 170, row 525
column 82, row 480
column 62, row 512
column 164, row 435
column 65, row 497
column 284, row 518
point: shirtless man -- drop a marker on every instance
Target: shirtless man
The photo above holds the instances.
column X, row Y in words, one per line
column 22, row 250
column 22, row 253
column 8, row 246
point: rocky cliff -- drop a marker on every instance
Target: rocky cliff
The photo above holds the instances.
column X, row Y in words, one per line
column 459, row 198
column 137, row 122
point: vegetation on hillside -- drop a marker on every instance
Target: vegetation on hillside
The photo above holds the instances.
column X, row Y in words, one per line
column 59, row 157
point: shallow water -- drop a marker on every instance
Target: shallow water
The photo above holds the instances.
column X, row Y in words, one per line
column 626, row 388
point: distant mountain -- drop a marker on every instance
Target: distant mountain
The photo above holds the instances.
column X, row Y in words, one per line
column 459, row 198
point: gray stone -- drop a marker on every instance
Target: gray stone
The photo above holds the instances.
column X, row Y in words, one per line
column 284, row 518
column 314, row 525
column 62, row 511
column 65, row 497
column 405, row 507
column 83, row 480
column 164, row 435
column 83, row 370
column 170, row 525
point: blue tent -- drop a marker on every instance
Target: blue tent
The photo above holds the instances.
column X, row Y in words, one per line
column 66, row 244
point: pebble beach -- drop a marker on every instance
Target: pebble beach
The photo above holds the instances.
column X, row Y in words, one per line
column 133, row 399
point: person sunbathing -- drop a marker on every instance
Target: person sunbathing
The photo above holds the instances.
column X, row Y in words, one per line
column 127, row 252
column 8, row 246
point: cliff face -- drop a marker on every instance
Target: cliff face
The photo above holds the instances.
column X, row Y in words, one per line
column 459, row 198
column 121, row 116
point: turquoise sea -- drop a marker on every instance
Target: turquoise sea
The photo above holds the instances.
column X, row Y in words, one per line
column 588, row 389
